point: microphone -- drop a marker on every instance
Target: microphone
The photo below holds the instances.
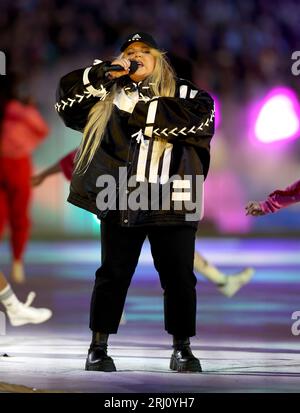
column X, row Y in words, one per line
column 117, row 68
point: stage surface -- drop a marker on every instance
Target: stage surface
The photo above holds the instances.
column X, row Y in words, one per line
column 245, row 344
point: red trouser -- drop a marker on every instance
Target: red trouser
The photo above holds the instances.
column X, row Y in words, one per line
column 15, row 193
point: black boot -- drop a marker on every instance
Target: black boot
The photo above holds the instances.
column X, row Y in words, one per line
column 97, row 359
column 182, row 359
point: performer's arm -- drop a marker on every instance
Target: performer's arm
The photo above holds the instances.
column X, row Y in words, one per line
column 276, row 200
column 78, row 92
column 38, row 179
column 64, row 165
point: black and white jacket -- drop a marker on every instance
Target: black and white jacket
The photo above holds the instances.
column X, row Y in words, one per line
column 156, row 141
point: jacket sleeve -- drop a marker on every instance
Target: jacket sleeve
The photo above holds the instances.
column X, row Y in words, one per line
column 78, row 92
column 188, row 120
column 281, row 198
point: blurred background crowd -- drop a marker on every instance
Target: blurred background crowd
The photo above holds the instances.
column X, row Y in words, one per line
column 246, row 43
column 238, row 50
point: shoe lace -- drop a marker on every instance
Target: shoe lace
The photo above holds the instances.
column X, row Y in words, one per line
column 31, row 296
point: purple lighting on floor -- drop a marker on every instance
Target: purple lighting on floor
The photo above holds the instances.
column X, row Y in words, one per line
column 276, row 117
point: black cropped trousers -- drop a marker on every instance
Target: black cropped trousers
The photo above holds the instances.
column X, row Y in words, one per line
column 172, row 249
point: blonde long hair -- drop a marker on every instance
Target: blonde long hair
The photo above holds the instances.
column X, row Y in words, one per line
column 161, row 82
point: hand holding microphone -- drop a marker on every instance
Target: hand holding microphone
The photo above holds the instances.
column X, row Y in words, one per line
column 121, row 67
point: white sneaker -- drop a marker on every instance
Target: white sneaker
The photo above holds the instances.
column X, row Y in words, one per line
column 236, row 281
column 24, row 314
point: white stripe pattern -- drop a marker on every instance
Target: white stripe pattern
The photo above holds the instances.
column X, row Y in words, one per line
column 154, row 163
column 193, row 93
column 185, row 131
column 142, row 160
column 85, row 77
column 152, row 112
column 183, row 91
column 165, row 132
column 89, row 91
column 148, row 131
column 165, row 172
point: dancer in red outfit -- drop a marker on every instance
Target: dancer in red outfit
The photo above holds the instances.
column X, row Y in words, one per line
column 276, row 200
column 66, row 166
column 22, row 130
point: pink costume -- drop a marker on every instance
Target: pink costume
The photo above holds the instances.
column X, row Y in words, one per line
column 281, row 198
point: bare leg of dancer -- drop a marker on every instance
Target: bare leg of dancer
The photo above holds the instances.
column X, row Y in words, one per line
column 228, row 285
